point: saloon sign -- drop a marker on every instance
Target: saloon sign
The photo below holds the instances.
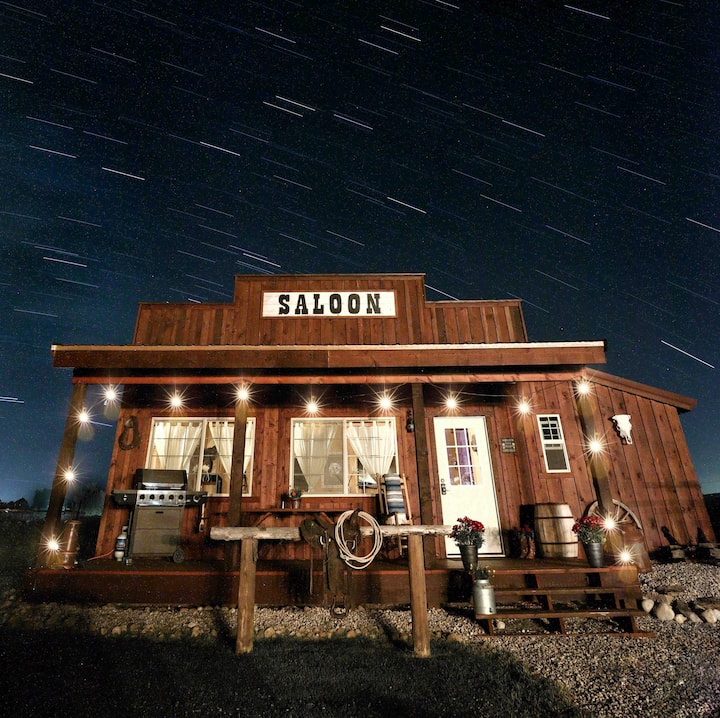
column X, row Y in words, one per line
column 328, row 304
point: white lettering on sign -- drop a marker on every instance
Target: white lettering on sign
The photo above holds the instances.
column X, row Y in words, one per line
column 328, row 304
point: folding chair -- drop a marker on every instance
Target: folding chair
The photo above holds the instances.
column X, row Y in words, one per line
column 394, row 504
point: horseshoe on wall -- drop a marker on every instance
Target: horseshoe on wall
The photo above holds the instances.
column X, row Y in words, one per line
column 130, row 437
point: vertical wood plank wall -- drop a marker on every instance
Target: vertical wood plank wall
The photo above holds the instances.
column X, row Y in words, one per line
column 654, row 475
column 417, row 321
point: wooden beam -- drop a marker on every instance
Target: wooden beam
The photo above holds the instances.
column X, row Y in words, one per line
column 418, row 596
column 452, row 376
column 422, row 463
column 598, row 470
column 236, row 479
column 292, row 533
column 53, row 517
column 246, row 597
column 328, row 357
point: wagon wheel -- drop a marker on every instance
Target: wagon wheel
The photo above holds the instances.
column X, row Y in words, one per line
column 178, row 555
column 623, row 514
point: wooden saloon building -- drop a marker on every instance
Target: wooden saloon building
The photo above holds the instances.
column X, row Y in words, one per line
column 327, row 383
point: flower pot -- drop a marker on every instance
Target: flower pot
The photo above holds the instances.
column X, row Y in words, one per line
column 594, row 553
column 469, row 556
column 295, row 503
column 483, row 597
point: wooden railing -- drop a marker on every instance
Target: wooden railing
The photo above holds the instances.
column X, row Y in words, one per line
column 250, row 535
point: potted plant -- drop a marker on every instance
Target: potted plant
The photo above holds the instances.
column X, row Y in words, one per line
column 469, row 535
column 295, row 495
column 590, row 531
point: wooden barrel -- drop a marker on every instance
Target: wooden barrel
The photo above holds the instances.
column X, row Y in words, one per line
column 553, row 530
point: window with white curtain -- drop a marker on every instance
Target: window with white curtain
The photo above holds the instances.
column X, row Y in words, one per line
column 203, row 447
column 342, row 456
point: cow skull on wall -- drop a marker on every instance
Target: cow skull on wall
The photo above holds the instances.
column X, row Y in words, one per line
column 623, row 427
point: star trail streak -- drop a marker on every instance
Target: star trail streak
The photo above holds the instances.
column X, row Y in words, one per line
column 565, row 154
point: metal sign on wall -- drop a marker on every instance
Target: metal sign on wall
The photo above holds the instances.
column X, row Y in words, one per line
column 328, row 304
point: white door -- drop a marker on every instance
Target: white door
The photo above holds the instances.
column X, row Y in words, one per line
column 467, row 487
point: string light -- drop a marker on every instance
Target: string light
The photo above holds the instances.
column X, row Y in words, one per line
column 312, row 406
column 242, row 393
column 523, row 407
column 69, row 475
column 385, row 402
column 53, row 544
column 451, row 402
column 583, row 387
column 595, row 445
column 626, row 556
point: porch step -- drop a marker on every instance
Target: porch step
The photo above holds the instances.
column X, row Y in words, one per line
column 610, row 592
column 557, row 619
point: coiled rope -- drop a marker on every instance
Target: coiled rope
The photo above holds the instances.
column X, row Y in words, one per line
column 351, row 559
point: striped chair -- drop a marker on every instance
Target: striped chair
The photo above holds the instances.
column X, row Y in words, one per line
column 394, row 504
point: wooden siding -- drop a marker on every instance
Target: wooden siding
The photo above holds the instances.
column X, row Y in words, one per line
column 653, row 476
column 416, row 321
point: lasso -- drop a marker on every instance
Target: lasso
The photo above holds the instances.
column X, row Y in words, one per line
column 357, row 562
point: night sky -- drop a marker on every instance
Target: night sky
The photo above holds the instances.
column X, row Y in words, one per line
column 566, row 154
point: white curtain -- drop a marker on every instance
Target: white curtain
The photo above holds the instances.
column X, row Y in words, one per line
column 374, row 442
column 181, row 440
column 222, row 434
column 312, row 441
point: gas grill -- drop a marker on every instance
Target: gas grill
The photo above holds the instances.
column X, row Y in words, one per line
column 158, row 502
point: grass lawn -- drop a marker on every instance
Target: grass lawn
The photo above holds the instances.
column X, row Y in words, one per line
column 60, row 673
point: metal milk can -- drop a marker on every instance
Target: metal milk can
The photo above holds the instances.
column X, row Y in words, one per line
column 483, row 597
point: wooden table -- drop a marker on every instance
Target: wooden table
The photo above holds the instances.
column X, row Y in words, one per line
column 250, row 535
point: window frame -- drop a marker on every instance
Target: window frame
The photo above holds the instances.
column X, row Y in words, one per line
column 555, row 444
column 194, row 482
column 347, row 473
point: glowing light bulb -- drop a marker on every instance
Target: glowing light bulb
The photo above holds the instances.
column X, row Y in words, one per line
column 451, row 402
column 385, row 402
column 53, row 544
column 69, row 475
column 583, row 387
column 595, row 446
column 84, row 416
column 523, row 406
column 176, row 401
column 625, row 556
column 111, row 394
column 312, row 407
column 610, row 523
column 243, row 393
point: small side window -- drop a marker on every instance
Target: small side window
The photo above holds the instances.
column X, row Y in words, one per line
column 553, row 443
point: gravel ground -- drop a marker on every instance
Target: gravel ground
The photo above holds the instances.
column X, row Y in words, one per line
column 676, row 673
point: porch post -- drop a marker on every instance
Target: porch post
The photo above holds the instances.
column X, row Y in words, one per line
column 246, row 596
column 418, row 596
column 232, row 550
column 599, row 472
column 53, row 517
column 422, row 465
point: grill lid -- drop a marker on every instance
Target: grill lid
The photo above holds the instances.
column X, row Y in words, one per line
column 161, row 479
